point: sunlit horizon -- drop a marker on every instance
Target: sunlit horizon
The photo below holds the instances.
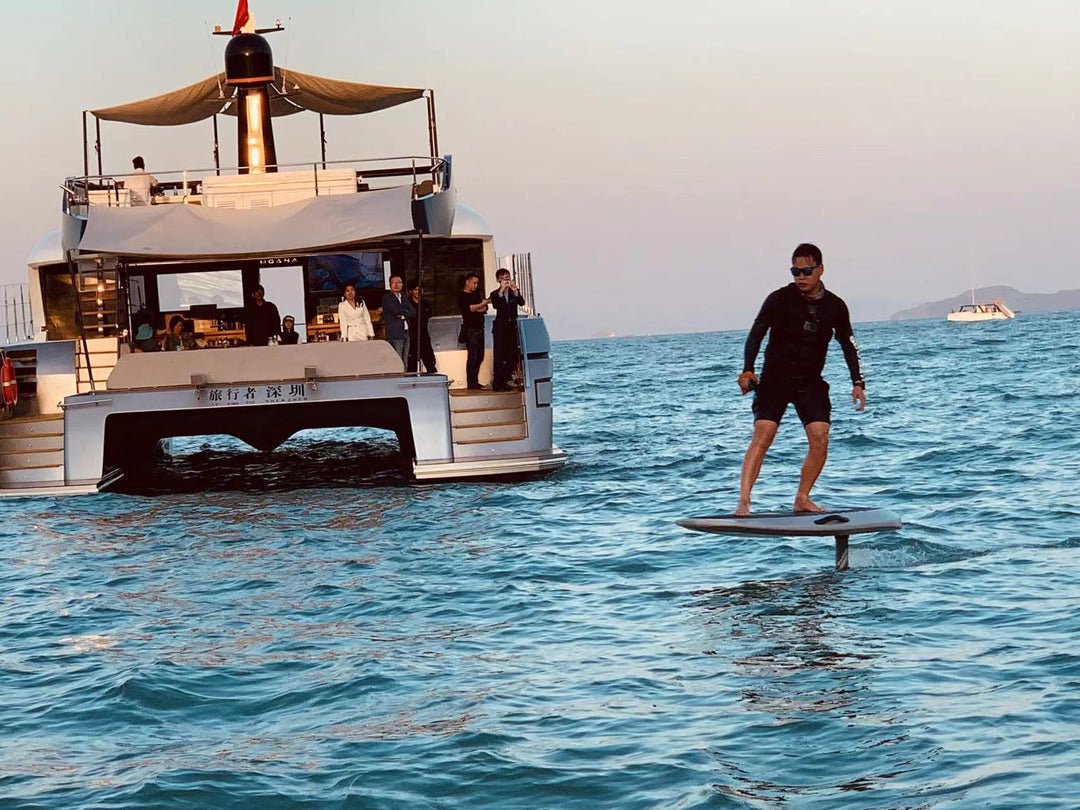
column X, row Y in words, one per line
column 659, row 162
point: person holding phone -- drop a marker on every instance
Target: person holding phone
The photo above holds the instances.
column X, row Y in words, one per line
column 504, row 336
column 801, row 319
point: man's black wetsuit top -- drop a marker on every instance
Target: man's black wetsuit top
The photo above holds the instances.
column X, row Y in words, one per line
column 799, row 338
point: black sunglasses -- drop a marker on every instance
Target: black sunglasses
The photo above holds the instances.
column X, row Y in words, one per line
column 806, row 271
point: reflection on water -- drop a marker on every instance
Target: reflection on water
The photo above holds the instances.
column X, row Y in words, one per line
column 310, row 460
column 782, row 628
column 798, row 663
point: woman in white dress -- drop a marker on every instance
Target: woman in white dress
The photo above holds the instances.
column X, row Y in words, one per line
column 353, row 317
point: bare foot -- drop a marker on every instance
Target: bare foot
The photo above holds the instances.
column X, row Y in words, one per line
column 742, row 510
column 804, row 504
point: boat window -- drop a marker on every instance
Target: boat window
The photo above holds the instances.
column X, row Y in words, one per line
column 222, row 288
column 326, row 277
column 137, row 294
column 331, row 274
column 445, row 264
column 60, row 303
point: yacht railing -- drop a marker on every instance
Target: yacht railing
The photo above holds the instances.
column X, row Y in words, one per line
column 426, row 174
column 520, row 267
column 16, row 323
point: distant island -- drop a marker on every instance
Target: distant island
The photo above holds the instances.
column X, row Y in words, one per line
column 1016, row 301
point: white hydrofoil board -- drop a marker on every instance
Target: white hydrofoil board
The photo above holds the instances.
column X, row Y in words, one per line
column 835, row 522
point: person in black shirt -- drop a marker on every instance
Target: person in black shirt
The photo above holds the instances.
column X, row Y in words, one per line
column 504, row 336
column 420, row 344
column 801, row 320
column 289, row 335
column 472, row 305
column 261, row 319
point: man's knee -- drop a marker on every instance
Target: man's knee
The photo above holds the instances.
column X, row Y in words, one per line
column 764, row 432
column 817, row 434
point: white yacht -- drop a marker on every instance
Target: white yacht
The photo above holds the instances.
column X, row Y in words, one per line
column 995, row 311
column 93, row 409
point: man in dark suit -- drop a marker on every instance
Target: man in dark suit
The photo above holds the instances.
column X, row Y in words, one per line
column 420, row 342
column 396, row 311
column 504, row 334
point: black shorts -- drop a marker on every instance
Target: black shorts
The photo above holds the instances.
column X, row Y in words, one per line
column 810, row 398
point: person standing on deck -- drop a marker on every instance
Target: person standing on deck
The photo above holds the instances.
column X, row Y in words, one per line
column 420, row 342
column 504, row 334
column 396, row 311
column 801, row 319
column 472, row 305
column 353, row 317
column 261, row 319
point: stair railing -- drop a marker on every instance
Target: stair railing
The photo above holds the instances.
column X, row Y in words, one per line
column 79, row 323
column 18, row 323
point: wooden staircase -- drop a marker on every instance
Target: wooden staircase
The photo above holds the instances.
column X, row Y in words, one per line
column 32, row 451
column 103, row 354
column 99, row 308
column 481, row 417
column 98, row 302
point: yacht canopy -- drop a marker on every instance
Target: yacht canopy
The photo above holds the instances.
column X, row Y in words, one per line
column 201, row 232
column 291, row 92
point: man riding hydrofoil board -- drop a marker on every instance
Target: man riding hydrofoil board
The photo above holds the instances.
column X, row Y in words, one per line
column 800, row 319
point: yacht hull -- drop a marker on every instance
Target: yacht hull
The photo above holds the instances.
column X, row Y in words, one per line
column 262, row 396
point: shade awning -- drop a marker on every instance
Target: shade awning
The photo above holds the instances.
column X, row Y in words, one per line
column 290, row 92
column 194, row 231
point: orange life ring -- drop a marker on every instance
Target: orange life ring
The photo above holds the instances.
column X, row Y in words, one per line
column 9, row 384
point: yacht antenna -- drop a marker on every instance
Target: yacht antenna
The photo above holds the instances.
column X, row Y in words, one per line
column 249, row 71
column 971, row 274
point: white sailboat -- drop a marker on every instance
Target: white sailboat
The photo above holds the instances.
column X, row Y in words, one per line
column 994, row 311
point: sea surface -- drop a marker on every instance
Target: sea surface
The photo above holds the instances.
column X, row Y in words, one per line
column 311, row 630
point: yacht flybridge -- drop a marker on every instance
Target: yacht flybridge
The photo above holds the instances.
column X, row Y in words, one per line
column 130, row 272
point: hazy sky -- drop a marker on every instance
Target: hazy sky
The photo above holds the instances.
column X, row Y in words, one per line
column 659, row 160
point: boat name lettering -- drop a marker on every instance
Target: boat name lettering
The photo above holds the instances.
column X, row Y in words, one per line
column 257, row 394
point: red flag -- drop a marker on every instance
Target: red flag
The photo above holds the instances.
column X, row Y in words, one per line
column 241, row 17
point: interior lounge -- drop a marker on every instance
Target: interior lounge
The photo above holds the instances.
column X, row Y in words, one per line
column 211, row 301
